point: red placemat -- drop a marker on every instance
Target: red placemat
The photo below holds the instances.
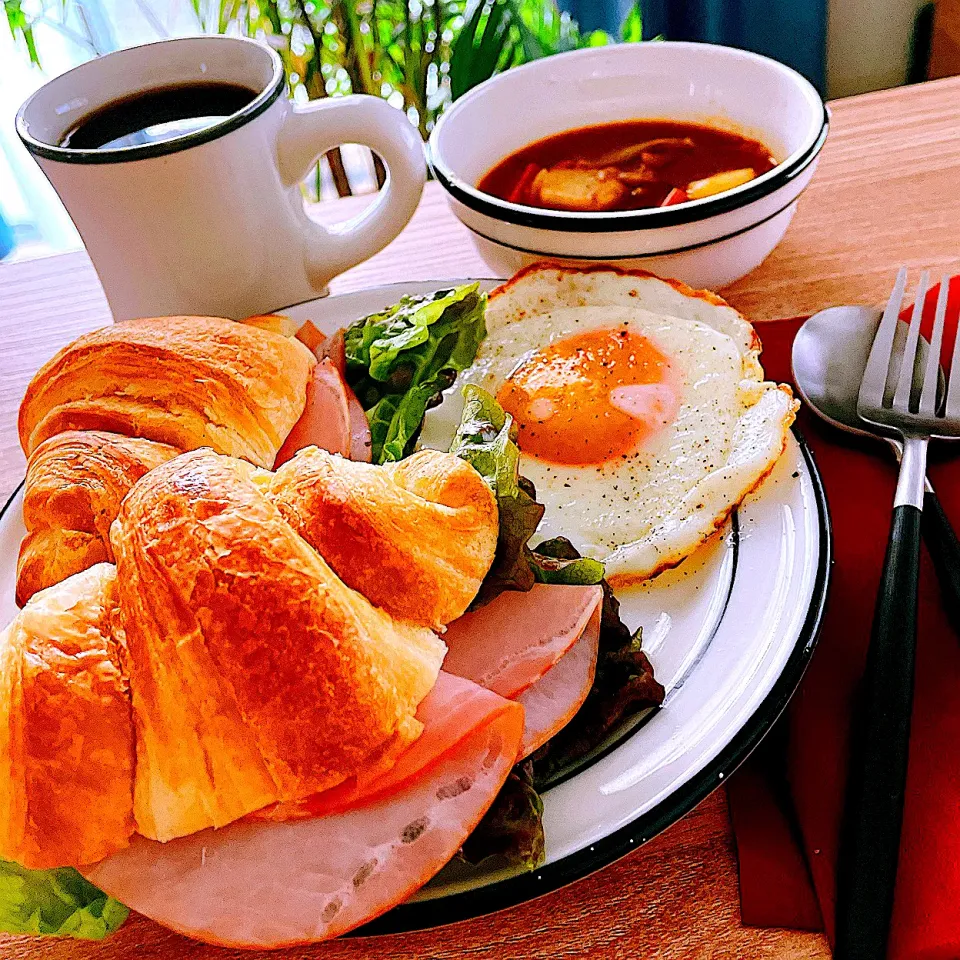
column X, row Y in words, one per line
column 786, row 803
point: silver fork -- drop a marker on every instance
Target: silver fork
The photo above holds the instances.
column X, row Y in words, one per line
column 878, row 765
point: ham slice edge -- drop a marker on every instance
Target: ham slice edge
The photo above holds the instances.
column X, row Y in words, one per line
column 264, row 884
column 453, row 710
column 332, row 418
column 509, row 644
column 551, row 703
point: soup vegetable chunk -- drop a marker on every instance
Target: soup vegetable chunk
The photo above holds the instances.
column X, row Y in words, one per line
column 630, row 165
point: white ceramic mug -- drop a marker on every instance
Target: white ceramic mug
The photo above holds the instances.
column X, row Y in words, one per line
column 213, row 222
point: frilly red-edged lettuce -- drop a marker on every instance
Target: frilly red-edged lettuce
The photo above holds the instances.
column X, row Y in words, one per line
column 512, row 828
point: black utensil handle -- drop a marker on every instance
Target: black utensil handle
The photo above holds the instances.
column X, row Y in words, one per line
column 870, row 842
column 944, row 550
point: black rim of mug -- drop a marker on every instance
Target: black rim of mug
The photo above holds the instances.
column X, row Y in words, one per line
column 258, row 105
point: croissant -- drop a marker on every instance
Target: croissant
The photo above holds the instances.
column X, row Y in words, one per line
column 415, row 537
column 75, row 482
column 222, row 665
column 66, row 735
column 223, row 603
column 186, row 381
column 181, row 382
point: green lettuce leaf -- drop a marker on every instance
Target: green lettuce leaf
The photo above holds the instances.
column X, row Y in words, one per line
column 55, row 902
column 401, row 360
column 487, row 441
column 624, row 683
column 556, row 561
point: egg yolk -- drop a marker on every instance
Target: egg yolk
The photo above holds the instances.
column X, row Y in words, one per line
column 590, row 398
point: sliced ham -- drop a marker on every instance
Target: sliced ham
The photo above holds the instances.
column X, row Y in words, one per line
column 550, row 704
column 311, row 337
column 360, row 441
column 509, row 644
column 454, row 709
column 258, row 884
column 334, row 348
column 325, row 421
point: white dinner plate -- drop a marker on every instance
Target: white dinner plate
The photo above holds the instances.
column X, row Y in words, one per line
column 729, row 632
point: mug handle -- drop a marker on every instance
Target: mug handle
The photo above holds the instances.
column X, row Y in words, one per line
column 311, row 130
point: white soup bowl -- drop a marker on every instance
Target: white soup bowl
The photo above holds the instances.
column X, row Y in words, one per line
column 707, row 243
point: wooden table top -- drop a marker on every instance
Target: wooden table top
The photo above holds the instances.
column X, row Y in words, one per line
column 885, row 195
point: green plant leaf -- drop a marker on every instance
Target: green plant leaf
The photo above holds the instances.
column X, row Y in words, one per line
column 495, row 37
column 596, row 38
column 21, row 28
column 465, row 68
column 631, row 30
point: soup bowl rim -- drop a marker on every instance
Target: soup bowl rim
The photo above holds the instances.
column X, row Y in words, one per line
column 650, row 218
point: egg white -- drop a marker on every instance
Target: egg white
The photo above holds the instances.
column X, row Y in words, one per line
column 647, row 511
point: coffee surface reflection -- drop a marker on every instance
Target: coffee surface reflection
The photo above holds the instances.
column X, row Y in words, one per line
column 157, row 115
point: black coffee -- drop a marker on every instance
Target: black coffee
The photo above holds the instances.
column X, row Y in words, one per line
column 157, row 115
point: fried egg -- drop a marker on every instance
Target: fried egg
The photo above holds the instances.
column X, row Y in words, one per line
column 642, row 415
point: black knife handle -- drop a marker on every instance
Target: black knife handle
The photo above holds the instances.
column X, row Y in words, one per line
column 870, row 842
column 944, row 550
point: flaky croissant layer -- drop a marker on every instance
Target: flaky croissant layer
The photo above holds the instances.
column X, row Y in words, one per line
column 256, row 673
column 119, row 401
column 75, row 484
column 66, row 733
column 186, row 381
column 225, row 664
column 415, row 537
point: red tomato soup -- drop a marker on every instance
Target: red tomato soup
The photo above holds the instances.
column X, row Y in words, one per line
column 629, row 165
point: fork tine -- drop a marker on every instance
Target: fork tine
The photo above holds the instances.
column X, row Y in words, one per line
column 875, row 374
column 931, row 375
column 908, row 363
column 953, row 390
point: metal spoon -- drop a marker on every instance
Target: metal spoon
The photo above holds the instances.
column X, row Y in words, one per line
column 829, row 356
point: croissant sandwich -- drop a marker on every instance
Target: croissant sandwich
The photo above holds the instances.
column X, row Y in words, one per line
column 238, row 672
column 260, row 688
column 185, row 381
